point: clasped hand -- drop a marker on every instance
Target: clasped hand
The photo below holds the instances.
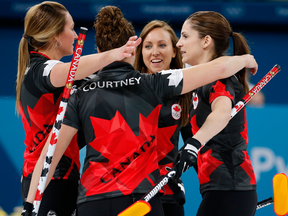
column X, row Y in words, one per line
column 186, row 157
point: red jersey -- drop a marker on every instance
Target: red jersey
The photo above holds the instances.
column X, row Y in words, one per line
column 223, row 162
column 118, row 111
column 39, row 103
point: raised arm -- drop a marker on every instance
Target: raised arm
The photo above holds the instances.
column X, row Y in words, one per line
column 222, row 67
column 89, row 64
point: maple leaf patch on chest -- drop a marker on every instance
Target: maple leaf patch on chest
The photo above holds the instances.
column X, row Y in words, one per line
column 176, row 111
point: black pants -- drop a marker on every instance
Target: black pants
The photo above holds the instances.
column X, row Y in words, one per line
column 228, row 203
column 60, row 196
column 113, row 206
column 173, row 209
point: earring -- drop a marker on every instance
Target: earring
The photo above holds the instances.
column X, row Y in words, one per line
column 58, row 44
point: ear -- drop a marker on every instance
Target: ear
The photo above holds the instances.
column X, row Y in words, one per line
column 174, row 53
column 56, row 37
column 207, row 41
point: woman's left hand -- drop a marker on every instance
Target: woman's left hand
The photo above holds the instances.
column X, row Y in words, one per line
column 126, row 50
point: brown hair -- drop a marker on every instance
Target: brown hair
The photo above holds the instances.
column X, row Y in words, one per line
column 218, row 28
column 42, row 22
column 112, row 29
column 176, row 62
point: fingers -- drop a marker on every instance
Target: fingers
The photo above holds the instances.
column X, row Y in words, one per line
column 138, row 41
column 133, row 42
column 251, row 63
column 133, row 38
column 185, row 167
column 126, row 55
column 253, row 70
column 126, row 50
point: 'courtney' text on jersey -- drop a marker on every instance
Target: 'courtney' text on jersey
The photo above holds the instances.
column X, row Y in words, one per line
column 112, row 84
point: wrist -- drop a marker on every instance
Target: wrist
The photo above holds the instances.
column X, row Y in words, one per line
column 192, row 143
column 111, row 56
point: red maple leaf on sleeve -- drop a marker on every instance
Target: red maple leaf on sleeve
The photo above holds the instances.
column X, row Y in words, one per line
column 220, row 90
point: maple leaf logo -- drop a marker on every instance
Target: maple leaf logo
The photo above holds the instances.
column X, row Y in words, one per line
column 175, row 77
column 49, row 65
column 164, row 145
column 176, row 111
column 193, row 123
column 40, row 120
column 220, row 90
column 176, row 108
column 195, row 100
column 210, row 163
column 38, row 195
column 124, row 155
column 246, row 165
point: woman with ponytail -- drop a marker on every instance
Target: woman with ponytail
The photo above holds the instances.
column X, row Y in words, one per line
column 48, row 36
column 226, row 177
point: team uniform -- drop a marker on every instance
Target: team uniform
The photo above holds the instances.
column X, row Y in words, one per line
column 168, row 139
column 39, row 105
column 118, row 111
column 223, row 162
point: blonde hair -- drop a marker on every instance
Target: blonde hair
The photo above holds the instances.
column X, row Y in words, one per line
column 176, row 63
column 42, row 22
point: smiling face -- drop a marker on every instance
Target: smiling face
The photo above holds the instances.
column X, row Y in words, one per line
column 157, row 50
column 191, row 46
column 67, row 37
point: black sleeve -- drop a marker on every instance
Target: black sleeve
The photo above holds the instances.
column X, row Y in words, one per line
column 165, row 83
column 41, row 76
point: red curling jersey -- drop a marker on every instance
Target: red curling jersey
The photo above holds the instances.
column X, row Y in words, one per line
column 118, row 111
column 223, row 162
column 39, row 103
column 168, row 138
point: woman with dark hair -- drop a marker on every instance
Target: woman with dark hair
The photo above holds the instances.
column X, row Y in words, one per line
column 157, row 52
column 226, row 176
column 118, row 112
column 48, row 36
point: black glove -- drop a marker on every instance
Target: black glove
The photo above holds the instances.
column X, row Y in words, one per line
column 186, row 157
column 178, row 190
column 27, row 209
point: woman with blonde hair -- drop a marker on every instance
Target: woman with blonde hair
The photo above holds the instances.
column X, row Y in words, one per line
column 48, row 36
column 157, row 52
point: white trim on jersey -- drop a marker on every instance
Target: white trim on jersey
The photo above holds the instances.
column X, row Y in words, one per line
column 175, row 78
column 49, row 65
